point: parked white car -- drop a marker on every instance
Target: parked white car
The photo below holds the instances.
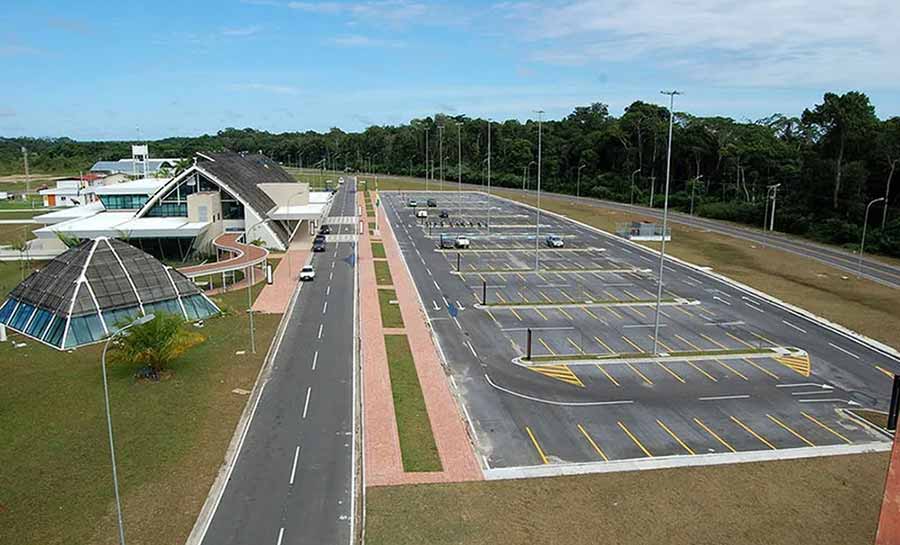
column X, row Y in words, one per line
column 307, row 273
column 462, row 242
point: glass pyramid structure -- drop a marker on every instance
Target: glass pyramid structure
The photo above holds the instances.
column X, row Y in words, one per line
column 90, row 291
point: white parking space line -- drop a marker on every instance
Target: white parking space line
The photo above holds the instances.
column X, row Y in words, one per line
column 800, row 329
column 845, row 351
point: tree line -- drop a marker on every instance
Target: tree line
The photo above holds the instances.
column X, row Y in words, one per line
column 828, row 163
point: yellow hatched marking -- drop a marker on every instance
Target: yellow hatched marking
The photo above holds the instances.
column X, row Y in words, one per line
column 537, row 447
column 732, row 369
column 687, row 342
column 573, row 343
column 714, row 434
column 800, row 364
column 715, row 342
column 559, row 372
column 635, row 439
column 885, row 371
column 763, row 339
column 604, row 345
column 566, row 295
column 610, row 377
column 671, row 372
column 592, row 443
column 791, row 431
column 761, row 368
column 738, row 339
column 826, row 427
column 541, row 314
column 564, row 313
column 547, row 346
column 516, row 314
column 633, row 345
column 642, row 375
column 675, row 437
column 753, row 433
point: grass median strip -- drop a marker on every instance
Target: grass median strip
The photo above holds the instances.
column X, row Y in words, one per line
column 417, row 446
column 383, row 274
column 390, row 312
column 378, row 250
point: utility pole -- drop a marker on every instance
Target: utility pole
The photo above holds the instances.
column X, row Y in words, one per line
column 27, row 173
column 578, row 183
column 652, row 189
column 774, row 190
column 662, row 251
column 632, row 184
column 441, row 152
column 537, row 225
column 693, row 187
column 489, row 175
column 459, row 165
column 862, row 242
column 426, row 159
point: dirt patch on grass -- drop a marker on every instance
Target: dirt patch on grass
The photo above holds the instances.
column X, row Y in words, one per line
column 797, row 502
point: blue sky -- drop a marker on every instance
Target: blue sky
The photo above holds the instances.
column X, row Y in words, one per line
column 126, row 70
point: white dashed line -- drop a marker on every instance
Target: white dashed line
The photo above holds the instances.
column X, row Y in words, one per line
column 280, row 535
column 325, row 307
column 800, row 329
column 306, row 403
column 328, row 291
column 321, row 327
column 293, row 473
column 436, row 284
column 845, row 351
column 315, row 360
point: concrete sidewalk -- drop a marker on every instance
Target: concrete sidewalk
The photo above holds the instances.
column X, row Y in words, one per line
column 274, row 297
column 383, row 460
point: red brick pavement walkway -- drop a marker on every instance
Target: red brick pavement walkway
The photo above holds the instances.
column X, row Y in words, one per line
column 383, row 461
column 274, row 298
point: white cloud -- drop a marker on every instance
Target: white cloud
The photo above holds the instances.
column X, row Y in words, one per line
column 763, row 42
column 359, row 40
column 266, row 87
column 242, row 31
column 392, row 11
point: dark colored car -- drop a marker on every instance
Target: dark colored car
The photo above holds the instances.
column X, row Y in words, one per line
column 447, row 242
column 325, row 229
column 431, row 203
column 318, row 246
column 445, row 214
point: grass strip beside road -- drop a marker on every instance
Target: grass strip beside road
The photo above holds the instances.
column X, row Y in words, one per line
column 378, row 250
column 383, row 273
column 417, row 445
column 390, row 312
column 802, row 502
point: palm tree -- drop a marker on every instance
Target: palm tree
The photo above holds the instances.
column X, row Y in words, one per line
column 155, row 344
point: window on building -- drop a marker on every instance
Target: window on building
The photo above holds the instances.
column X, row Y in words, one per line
column 123, row 202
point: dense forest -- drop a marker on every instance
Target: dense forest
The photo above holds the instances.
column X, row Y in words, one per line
column 830, row 161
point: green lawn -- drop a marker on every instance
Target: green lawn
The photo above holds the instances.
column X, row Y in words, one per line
column 383, row 274
column 417, row 446
column 55, row 486
column 390, row 313
column 378, row 250
column 13, row 232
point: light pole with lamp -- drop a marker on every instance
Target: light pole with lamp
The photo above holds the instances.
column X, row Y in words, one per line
column 632, row 184
column 459, row 166
column 537, row 224
column 693, row 186
column 250, row 283
column 288, row 256
column 489, row 176
column 441, row 153
column 112, row 449
column 862, row 242
column 426, row 158
column 662, row 250
column 578, row 183
column 774, row 189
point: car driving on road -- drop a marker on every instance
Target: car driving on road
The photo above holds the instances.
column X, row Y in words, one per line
column 555, row 241
column 412, row 203
column 319, row 243
column 307, row 273
column 325, row 230
column 431, row 203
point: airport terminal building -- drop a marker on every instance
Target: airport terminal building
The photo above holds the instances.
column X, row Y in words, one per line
column 178, row 217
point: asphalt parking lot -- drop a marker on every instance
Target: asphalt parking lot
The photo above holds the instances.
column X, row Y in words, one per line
column 735, row 373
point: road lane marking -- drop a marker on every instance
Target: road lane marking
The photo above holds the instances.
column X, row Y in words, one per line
column 825, row 427
column 566, row 314
column 740, row 340
column 851, row 354
column 602, row 370
column 293, row 471
column 552, row 353
column 700, row 370
column 472, row 348
column 591, row 314
column 723, row 398
column 315, row 359
column 592, row 443
column 885, row 371
column 280, row 536
column 325, row 307
column 328, row 290
column 753, row 433
column 541, row 314
column 790, row 430
column 800, row 329
column 306, row 403
column 537, row 447
column 321, row 326
column 516, row 314
column 633, row 368
column 714, row 434
column 687, row 342
column 715, row 342
column 633, row 438
column 573, row 343
column 675, row 437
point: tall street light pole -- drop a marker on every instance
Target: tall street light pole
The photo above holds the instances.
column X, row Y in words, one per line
column 632, row 184
column 862, row 242
column 441, row 152
column 693, row 187
column 662, row 251
column 426, row 158
column 112, row 449
column 774, row 189
column 578, row 183
column 489, row 175
column 459, row 166
column 537, row 224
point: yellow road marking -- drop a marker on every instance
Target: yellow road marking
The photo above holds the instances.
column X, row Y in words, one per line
column 629, row 294
column 587, row 295
column 598, row 275
column 738, row 339
column 825, row 427
column 611, row 296
column 648, row 292
column 800, row 364
column 885, row 371
column 537, row 447
column 753, row 433
column 633, row 345
column 671, row 372
column 681, row 310
column 516, row 314
column 602, row 370
column 544, row 295
column 593, row 444
column 636, row 442
column 560, row 277
column 613, row 312
column 564, row 313
column 589, row 313
column 541, row 314
column 491, row 267
column 763, row 339
column 539, row 275
column 707, row 375
column 675, row 437
column 524, row 299
column 715, row 342
column 500, row 296
column 522, row 278
column 492, row 317
column 732, row 369
column 633, row 368
column 638, row 312
column 662, row 344
column 566, row 295
column 547, row 346
column 788, row 428
column 604, row 345
column 481, row 276
column 763, row 369
column 687, row 342
column 573, row 343
column 714, row 434
column 559, row 372
column 578, row 275
column 472, row 266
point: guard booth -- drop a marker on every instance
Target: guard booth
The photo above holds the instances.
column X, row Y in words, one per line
column 643, row 231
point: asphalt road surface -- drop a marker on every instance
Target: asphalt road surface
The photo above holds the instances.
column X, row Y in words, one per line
column 744, row 374
column 292, row 480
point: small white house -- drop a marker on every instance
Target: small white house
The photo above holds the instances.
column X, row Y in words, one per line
column 66, row 193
